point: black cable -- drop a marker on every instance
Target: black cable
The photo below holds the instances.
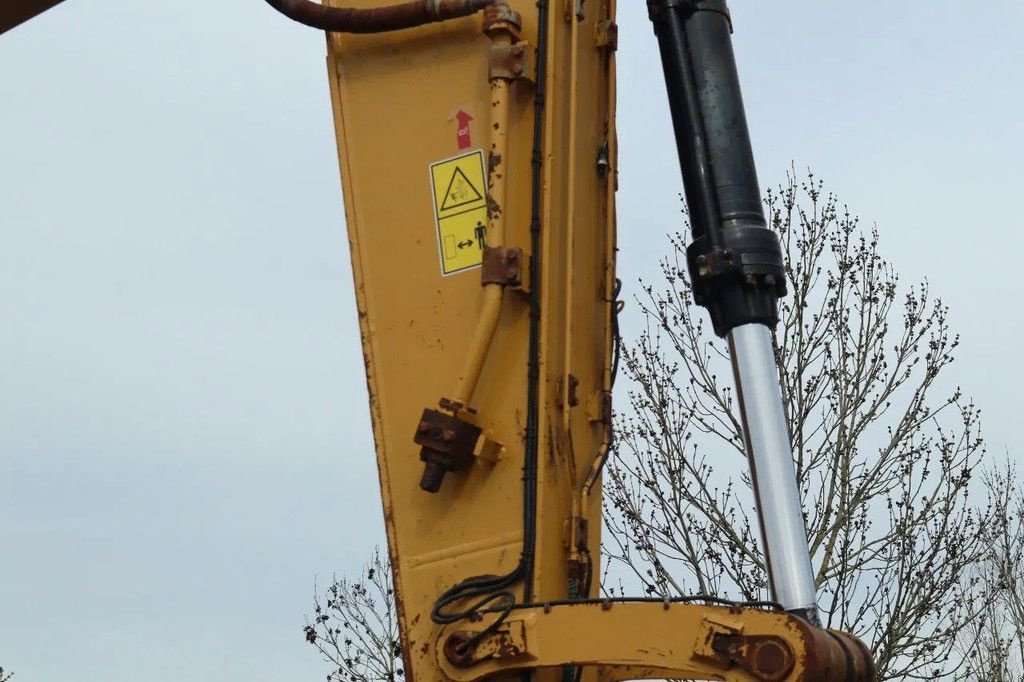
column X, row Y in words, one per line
column 689, row 599
column 589, row 580
column 616, row 336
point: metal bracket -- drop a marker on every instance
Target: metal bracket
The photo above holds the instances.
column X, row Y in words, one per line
column 447, row 444
column 574, row 9
column 599, row 408
column 503, row 265
column 488, row 449
column 568, row 391
column 506, row 643
column 710, row 629
column 606, row 35
column 499, row 17
column 511, row 62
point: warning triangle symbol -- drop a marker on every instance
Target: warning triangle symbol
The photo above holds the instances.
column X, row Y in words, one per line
column 460, row 191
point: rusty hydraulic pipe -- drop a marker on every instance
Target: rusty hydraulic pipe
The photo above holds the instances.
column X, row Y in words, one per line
column 502, row 27
column 377, row 19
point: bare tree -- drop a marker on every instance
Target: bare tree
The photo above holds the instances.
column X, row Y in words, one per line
column 5, row 676
column 884, row 452
column 355, row 626
column 994, row 642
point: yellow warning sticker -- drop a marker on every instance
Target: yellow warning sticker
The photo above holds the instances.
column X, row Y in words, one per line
column 460, row 210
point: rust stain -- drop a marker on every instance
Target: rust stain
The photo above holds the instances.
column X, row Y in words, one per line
column 493, row 159
column 493, row 209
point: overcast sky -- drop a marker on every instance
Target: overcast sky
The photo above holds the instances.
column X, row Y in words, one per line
column 184, row 440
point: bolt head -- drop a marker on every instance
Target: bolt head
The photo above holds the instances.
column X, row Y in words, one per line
column 771, row 659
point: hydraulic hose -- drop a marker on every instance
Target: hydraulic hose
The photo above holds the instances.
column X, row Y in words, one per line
column 377, row 19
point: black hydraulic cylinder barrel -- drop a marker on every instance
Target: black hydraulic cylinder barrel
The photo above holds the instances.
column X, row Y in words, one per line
column 689, row 128
column 725, row 121
column 735, row 262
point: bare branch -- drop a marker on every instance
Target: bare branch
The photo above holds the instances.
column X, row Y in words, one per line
column 355, row 626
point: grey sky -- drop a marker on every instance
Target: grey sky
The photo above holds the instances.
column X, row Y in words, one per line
column 184, row 443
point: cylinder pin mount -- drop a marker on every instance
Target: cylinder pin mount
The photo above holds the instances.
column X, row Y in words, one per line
column 447, row 443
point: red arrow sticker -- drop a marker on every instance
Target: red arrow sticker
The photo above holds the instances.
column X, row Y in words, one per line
column 463, row 119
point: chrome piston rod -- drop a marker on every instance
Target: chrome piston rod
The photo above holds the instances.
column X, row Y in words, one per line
column 787, row 555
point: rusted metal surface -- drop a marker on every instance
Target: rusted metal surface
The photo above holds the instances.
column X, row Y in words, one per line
column 457, row 651
column 572, row 385
column 447, row 444
column 510, row 62
column 861, row 663
column 606, row 34
column 833, row 656
column 767, row 657
column 378, row 19
column 508, row 642
column 499, row 16
column 502, row 265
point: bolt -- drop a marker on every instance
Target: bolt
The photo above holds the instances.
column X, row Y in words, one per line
column 457, row 651
column 433, row 475
column 771, row 660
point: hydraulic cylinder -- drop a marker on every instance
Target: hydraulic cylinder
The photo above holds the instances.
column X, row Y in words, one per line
column 736, row 267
